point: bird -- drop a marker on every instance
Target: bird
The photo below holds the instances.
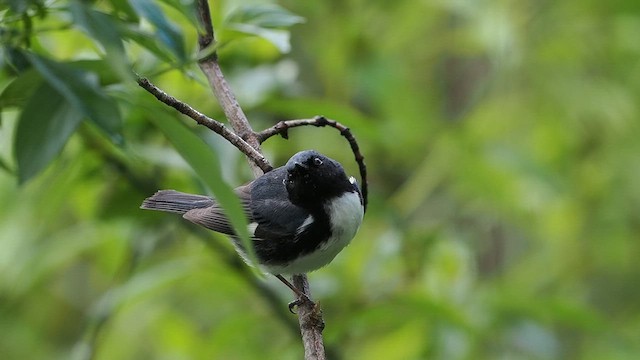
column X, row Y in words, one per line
column 301, row 215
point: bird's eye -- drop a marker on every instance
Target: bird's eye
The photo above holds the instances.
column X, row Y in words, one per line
column 317, row 161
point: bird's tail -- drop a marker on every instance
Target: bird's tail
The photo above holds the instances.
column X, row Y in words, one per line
column 176, row 202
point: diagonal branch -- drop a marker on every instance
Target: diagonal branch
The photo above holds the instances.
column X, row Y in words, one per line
column 204, row 120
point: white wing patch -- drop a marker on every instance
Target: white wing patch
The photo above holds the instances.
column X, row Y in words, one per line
column 307, row 222
column 252, row 228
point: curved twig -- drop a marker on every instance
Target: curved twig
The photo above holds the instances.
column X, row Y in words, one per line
column 282, row 129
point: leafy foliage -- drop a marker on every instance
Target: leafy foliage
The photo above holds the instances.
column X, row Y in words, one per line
column 44, row 127
column 501, row 142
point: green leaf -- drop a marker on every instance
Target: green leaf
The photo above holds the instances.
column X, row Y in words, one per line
column 148, row 41
column 45, row 125
column 169, row 34
column 205, row 163
column 82, row 91
column 124, row 11
column 279, row 38
column 264, row 21
column 20, row 89
column 102, row 28
column 264, row 16
column 187, row 8
column 14, row 58
column 4, row 166
column 100, row 67
column 21, row 6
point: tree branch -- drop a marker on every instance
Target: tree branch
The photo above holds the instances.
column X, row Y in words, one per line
column 258, row 159
column 216, row 126
column 307, row 311
column 311, row 322
column 221, row 89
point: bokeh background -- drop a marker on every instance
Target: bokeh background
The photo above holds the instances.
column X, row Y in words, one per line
column 501, row 139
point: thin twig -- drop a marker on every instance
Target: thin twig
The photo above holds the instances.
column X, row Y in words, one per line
column 282, row 128
column 204, row 120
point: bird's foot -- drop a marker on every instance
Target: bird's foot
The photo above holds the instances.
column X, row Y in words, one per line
column 302, row 299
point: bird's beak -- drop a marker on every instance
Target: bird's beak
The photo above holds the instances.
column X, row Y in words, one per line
column 300, row 167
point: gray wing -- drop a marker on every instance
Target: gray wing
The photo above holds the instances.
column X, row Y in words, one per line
column 266, row 204
column 214, row 218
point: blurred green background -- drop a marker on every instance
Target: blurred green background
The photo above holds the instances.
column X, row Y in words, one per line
column 501, row 139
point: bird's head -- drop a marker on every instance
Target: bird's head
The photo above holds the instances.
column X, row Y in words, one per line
column 313, row 178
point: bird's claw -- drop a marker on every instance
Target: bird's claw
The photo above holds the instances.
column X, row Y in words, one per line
column 299, row 301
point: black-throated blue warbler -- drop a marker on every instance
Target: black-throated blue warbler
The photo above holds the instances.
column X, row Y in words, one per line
column 301, row 215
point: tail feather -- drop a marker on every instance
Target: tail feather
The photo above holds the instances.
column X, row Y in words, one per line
column 176, row 202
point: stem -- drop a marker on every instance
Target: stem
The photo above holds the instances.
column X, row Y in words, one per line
column 309, row 314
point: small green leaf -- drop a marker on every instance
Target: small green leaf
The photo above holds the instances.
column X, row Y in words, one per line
column 169, row 34
column 100, row 67
column 148, row 41
column 102, row 28
column 82, row 91
column 20, row 89
column 279, row 38
column 187, row 8
column 45, row 125
column 124, row 11
column 208, row 51
column 264, row 16
column 19, row 6
column 265, row 21
column 205, row 163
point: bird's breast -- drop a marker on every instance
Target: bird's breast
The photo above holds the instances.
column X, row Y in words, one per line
column 345, row 216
